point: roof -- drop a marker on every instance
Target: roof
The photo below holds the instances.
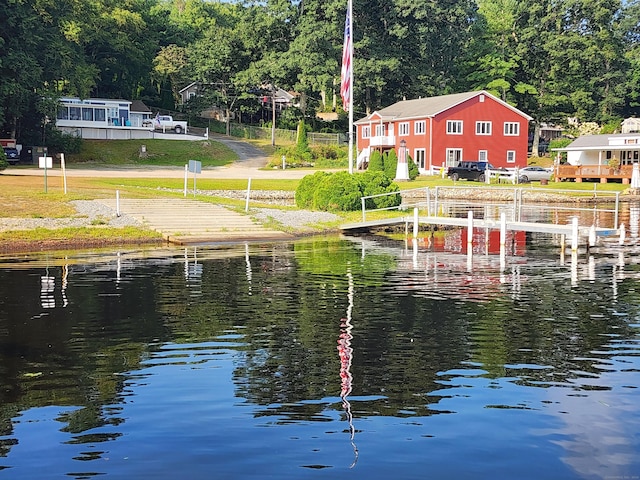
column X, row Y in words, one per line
column 600, row 142
column 431, row 106
column 187, row 87
column 139, row 106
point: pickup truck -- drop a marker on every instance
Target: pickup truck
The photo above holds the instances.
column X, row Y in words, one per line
column 165, row 122
column 472, row 170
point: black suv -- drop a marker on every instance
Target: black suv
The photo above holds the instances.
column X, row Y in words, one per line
column 12, row 155
column 468, row 170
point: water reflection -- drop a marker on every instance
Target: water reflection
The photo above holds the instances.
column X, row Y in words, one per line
column 173, row 363
column 345, row 352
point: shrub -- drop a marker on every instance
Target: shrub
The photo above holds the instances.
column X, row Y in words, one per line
column 342, row 191
column 390, row 164
column 414, row 171
column 375, row 183
column 60, row 142
column 376, row 163
column 306, row 189
column 3, row 160
column 302, row 144
column 339, row 191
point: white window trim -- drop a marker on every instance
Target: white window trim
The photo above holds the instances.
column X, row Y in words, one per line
column 484, row 123
column 512, row 154
column 486, row 155
column 366, row 131
column 381, row 130
column 403, row 129
column 423, row 127
column 449, row 152
column 455, row 130
column 509, row 127
column 416, row 157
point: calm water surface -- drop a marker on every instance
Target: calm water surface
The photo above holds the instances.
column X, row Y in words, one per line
column 325, row 358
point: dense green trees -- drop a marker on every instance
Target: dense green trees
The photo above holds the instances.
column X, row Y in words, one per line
column 552, row 59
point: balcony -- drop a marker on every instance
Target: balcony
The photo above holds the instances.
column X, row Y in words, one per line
column 382, row 141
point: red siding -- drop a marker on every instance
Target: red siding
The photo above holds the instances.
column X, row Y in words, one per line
column 496, row 145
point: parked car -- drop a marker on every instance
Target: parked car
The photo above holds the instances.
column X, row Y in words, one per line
column 12, row 154
column 529, row 174
column 473, row 170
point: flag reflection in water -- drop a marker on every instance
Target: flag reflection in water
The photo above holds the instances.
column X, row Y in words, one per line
column 346, row 357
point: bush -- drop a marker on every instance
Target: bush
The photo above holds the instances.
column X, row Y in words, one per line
column 374, row 183
column 3, row 160
column 376, row 162
column 60, row 142
column 339, row 191
column 307, row 188
column 414, row 171
column 342, row 191
column 390, row 163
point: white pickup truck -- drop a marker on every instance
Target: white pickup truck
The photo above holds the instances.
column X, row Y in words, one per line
column 166, row 122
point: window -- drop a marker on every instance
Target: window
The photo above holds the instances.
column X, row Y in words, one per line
column 419, row 155
column 100, row 114
column 403, row 129
column 511, row 156
column 454, row 127
column 511, row 128
column 366, row 132
column 87, row 114
column 482, row 156
column 608, row 155
column 420, row 128
column 631, row 141
column 454, row 155
column 74, row 113
column 483, row 128
column 380, row 130
column 63, row 113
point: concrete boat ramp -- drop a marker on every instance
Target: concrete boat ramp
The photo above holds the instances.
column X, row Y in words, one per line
column 185, row 221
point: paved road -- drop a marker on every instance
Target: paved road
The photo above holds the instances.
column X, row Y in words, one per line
column 251, row 164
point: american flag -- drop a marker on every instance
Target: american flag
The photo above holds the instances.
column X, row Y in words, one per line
column 345, row 74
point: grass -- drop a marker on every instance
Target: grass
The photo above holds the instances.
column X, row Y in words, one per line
column 24, row 196
column 158, row 153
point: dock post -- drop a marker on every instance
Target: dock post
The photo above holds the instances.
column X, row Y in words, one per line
column 503, row 229
column 428, row 192
column 623, row 233
column 574, row 234
column 470, row 229
column 592, row 236
column 363, row 209
column 415, row 222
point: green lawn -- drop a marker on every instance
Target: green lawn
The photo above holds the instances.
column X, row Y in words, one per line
column 158, row 153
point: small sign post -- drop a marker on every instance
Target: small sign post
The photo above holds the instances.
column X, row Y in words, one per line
column 45, row 162
column 195, row 166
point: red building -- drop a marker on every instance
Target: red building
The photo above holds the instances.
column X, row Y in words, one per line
column 443, row 130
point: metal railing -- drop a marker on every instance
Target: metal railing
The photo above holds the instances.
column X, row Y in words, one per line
column 515, row 206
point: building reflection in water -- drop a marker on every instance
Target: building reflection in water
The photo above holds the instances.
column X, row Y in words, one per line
column 345, row 352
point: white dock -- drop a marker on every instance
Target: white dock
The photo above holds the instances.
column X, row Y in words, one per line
column 577, row 233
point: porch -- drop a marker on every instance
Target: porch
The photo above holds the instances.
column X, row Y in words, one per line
column 594, row 173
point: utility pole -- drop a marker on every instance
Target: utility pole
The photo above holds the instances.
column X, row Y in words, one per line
column 273, row 116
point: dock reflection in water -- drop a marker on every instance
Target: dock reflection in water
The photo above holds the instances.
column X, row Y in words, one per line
column 221, row 361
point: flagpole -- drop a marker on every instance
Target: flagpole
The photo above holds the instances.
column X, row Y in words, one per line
column 350, row 7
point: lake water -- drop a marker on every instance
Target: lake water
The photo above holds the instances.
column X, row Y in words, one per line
column 337, row 358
